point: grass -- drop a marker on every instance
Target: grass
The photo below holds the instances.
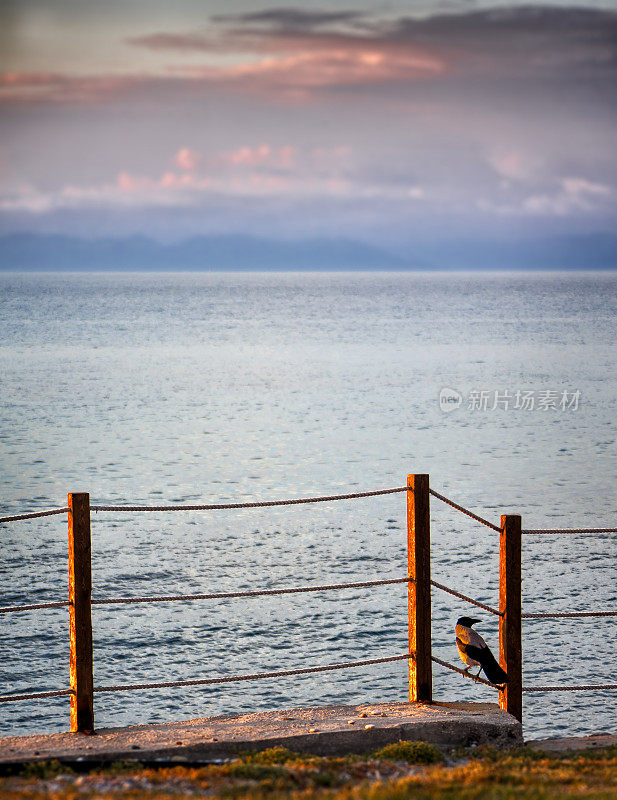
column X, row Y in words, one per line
column 403, row 771
column 411, row 753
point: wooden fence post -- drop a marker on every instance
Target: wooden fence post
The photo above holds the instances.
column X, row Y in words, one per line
column 510, row 637
column 80, row 597
column 419, row 591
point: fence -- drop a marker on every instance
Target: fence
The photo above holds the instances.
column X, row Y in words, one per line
column 418, row 579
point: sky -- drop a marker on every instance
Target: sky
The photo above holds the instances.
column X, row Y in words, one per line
column 389, row 122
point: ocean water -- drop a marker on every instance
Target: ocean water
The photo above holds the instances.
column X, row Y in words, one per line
column 207, row 387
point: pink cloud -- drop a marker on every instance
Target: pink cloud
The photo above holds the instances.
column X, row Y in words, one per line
column 303, row 57
column 22, row 88
column 187, row 159
column 248, row 155
column 285, row 68
column 308, row 70
column 30, row 79
column 513, row 164
column 171, row 180
column 262, row 155
column 126, row 182
column 252, row 171
column 372, row 47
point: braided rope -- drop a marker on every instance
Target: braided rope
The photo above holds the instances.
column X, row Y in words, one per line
column 213, row 596
column 32, row 606
column 10, row 698
column 599, row 687
column 558, row 614
column 465, row 674
column 252, row 677
column 467, row 599
column 570, row 530
column 257, row 676
column 261, row 504
column 465, row 511
column 34, row 514
column 255, row 593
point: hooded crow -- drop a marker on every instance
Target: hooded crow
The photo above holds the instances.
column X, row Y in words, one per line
column 475, row 652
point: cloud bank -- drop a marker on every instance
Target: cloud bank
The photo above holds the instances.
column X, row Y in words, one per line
column 326, row 121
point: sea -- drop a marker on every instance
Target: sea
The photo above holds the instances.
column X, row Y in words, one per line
column 224, row 387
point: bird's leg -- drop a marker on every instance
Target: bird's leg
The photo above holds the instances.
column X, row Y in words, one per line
column 479, row 671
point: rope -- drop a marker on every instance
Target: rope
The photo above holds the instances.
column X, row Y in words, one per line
column 212, row 596
column 10, row 698
column 570, row 530
column 465, row 510
column 34, row 514
column 262, row 504
column 467, row 599
column 558, row 614
column 254, row 677
column 256, row 593
column 32, row 606
column 600, row 687
column 465, row 674
column 257, row 676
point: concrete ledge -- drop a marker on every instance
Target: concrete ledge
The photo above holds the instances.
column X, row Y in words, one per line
column 329, row 730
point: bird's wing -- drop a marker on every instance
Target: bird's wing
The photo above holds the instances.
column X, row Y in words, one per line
column 476, row 653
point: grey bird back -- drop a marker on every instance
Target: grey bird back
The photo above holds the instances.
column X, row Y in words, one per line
column 469, row 636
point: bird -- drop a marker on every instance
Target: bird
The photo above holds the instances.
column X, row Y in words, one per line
column 475, row 652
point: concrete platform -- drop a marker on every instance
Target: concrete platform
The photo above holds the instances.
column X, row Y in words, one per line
column 329, row 730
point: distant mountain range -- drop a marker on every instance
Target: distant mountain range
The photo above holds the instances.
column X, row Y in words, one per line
column 30, row 251
column 25, row 251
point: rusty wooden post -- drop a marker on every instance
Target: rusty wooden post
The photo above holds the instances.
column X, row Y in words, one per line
column 510, row 638
column 80, row 597
column 419, row 592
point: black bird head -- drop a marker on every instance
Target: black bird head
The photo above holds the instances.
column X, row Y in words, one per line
column 467, row 621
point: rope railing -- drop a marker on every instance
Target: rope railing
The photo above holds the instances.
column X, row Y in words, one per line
column 466, row 511
column 214, row 595
column 418, row 533
column 301, row 500
column 464, row 597
column 33, row 606
column 250, row 593
column 11, row 698
column 255, row 504
column 305, row 671
column 252, row 677
column 465, row 673
column 594, row 688
column 533, row 531
column 34, row 514
column 211, row 681
column 569, row 614
column 214, row 506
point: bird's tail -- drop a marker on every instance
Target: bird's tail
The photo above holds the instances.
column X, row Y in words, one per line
column 492, row 670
